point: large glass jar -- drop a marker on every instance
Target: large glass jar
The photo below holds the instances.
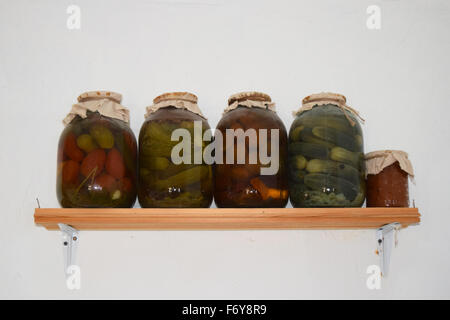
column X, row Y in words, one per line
column 251, row 154
column 97, row 154
column 326, row 154
column 178, row 179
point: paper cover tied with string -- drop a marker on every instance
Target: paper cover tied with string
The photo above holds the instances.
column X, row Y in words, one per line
column 387, row 174
column 326, row 153
column 106, row 103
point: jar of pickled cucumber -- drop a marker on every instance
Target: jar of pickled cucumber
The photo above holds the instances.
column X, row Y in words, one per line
column 326, row 154
column 172, row 170
column 97, row 154
column 251, row 154
column 387, row 178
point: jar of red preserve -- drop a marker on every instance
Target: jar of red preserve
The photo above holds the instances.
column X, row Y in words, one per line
column 387, row 178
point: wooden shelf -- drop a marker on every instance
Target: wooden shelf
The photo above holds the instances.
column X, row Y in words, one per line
column 225, row 219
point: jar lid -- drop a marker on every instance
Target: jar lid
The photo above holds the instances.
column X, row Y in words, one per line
column 250, row 99
column 90, row 95
column 325, row 98
column 328, row 96
column 185, row 96
column 376, row 161
column 249, row 95
column 107, row 103
column 180, row 100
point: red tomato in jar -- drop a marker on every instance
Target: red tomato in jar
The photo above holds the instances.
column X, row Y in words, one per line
column 115, row 165
column 71, row 148
column 126, row 184
column 93, row 163
column 70, row 170
column 105, row 181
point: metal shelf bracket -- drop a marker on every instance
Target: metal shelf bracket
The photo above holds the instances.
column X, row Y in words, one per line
column 70, row 239
column 386, row 236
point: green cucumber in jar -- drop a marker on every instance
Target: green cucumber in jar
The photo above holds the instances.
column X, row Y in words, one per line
column 354, row 159
column 294, row 134
column 307, row 136
column 185, row 178
column 329, row 121
column 309, row 150
column 327, row 184
column 335, row 137
column 334, row 168
column 157, row 163
column 298, row 162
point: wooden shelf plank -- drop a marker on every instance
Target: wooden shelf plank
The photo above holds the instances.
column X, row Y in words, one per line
column 225, row 219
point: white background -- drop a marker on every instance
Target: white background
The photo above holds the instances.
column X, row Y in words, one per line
column 397, row 77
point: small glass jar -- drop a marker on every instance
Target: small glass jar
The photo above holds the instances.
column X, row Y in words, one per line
column 387, row 178
column 249, row 182
column 326, row 154
column 164, row 181
column 97, row 154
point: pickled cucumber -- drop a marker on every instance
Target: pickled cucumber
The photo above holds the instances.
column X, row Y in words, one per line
column 329, row 121
column 342, row 155
column 307, row 136
column 185, row 177
column 334, row 168
column 359, row 199
column 126, row 151
column 294, row 135
column 152, row 148
column 336, row 137
column 86, row 143
column 299, row 162
column 309, row 150
column 328, row 184
column 185, row 199
column 320, row 199
column 159, row 131
column 103, row 136
column 174, row 169
column 157, row 163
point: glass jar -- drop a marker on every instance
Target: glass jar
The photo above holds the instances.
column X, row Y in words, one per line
column 326, row 154
column 249, row 129
column 97, row 154
column 387, row 178
column 179, row 179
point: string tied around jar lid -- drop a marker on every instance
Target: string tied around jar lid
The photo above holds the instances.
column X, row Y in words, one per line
column 179, row 100
column 324, row 98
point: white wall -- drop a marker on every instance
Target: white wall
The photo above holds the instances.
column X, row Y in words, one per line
column 397, row 77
